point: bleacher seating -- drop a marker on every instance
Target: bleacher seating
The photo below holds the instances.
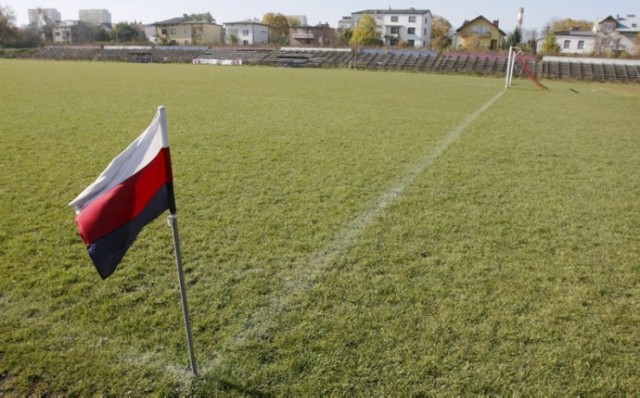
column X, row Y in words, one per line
column 472, row 63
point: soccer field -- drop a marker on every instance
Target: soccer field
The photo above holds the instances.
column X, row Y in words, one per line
column 343, row 233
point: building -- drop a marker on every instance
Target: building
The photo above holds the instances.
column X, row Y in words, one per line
column 312, row 36
column 479, row 34
column 609, row 37
column 185, row 31
column 73, row 32
column 247, row 33
column 95, row 17
column 617, row 35
column 410, row 27
column 572, row 42
column 345, row 24
column 39, row 17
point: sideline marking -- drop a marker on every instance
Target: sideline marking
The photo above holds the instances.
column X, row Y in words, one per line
column 261, row 320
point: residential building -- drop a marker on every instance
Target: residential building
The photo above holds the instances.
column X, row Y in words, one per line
column 609, row 36
column 95, row 17
column 312, row 36
column 345, row 24
column 185, row 31
column 73, row 32
column 247, row 33
column 410, row 27
column 479, row 34
column 617, row 35
column 572, row 42
column 39, row 17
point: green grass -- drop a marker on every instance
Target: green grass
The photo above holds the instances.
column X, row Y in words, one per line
column 509, row 266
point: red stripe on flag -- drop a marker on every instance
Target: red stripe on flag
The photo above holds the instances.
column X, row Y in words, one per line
column 125, row 201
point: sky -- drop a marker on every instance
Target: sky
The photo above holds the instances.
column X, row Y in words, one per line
column 537, row 13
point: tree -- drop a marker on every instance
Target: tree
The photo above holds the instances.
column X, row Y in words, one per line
column 8, row 30
column 344, row 37
column 206, row 16
column 515, row 38
column 568, row 24
column 529, row 40
column 294, row 21
column 279, row 27
column 102, row 35
column 366, row 33
column 550, row 45
column 126, row 32
column 84, row 33
column 440, row 33
column 29, row 37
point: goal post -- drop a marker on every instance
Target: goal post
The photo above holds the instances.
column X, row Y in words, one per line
column 516, row 54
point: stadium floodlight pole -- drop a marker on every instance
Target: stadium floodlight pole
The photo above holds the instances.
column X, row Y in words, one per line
column 173, row 222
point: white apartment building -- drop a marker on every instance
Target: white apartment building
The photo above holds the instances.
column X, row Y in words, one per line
column 95, row 17
column 409, row 26
column 246, row 33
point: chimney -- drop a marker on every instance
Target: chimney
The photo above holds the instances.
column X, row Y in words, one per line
column 520, row 18
column 496, row 22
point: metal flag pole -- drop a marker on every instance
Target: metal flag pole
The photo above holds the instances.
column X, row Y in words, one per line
column 173, row 222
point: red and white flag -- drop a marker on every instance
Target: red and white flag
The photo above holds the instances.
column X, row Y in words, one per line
column 132, row 191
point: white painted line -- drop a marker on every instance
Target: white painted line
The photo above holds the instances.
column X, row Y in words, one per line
column 306, row 276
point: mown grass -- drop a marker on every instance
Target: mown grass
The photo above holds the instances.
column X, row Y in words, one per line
column 509, row 266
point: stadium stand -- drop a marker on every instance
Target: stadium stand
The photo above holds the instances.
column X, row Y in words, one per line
column 458, row 62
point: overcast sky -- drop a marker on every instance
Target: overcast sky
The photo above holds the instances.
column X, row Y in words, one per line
column 537, row 12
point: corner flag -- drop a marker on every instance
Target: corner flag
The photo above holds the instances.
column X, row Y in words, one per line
column 132, row 191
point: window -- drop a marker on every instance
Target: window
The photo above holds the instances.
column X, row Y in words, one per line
column 581, row 45
column 412, row 19
column 394, row 19
column 173, row 31
column 411, row 43
column 411, row 31
column 567, row 44
column 164, row 31
column 395, row 30
column 245, row 32
column 481, row 30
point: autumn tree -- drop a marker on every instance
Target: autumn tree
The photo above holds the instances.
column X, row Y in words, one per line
column 279, row 27
column 440, row 33
column 294, row 21
column 568, row 24
column 550, row 45
column 366, row 33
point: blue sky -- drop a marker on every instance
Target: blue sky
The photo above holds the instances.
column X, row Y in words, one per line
column 537, row 12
